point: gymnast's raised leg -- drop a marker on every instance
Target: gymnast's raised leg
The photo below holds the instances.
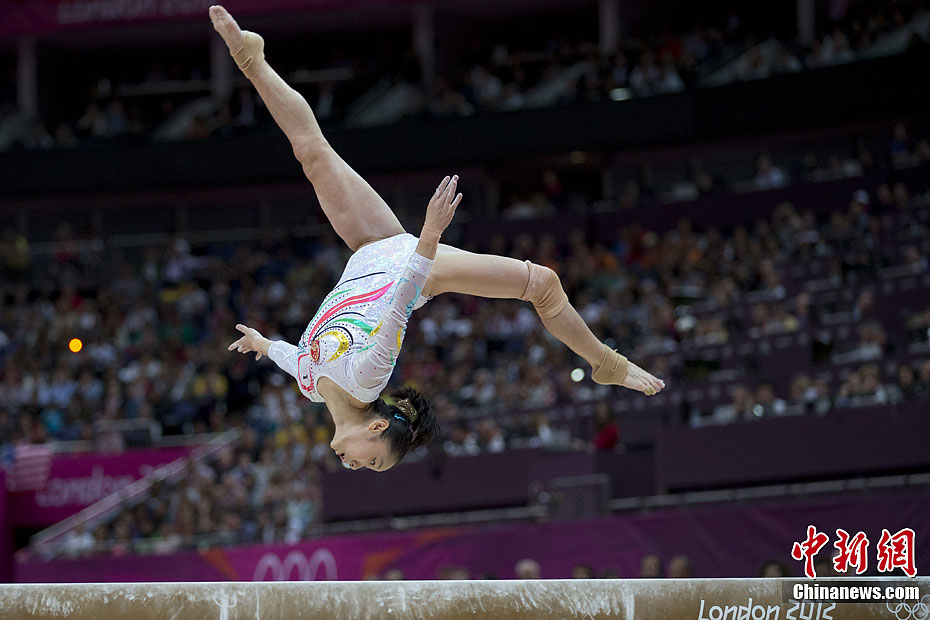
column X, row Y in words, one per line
column 486, row 275
column 355, row 210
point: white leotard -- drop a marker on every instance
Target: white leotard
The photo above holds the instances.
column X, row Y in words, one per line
column 356, row 335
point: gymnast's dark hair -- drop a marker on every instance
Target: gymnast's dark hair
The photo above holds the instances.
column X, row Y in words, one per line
column 402, row 433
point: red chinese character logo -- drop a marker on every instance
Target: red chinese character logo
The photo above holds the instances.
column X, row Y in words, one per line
column 852, row 553
column 896, row 551
column 809, row 548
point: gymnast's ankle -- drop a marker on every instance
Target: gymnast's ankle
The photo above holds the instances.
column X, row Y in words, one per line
column 251, row 54
column 612, row 369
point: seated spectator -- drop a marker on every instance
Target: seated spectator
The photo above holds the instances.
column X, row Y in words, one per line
column 455, row 573
column 650, row 567
column 646, row 76
column 460, row 441
column 527, row 569
column 766, row 403
column 915, row 260
column 739, row 407
column 490, row 436
column 79, row 542
column 753, row 66
column 680, row 567
column 668, row 81
column 582, row 571
column 606, row 430
column 900, row 147
column 773, row 569
column 836, row 49
column 863, row 388
column 871, row 346
column 798, row 397
column 906, row 387
column 769, row 176
column 786, row 63
column 923, row 380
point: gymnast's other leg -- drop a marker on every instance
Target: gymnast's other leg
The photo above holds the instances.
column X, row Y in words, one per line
column 486, row 275
column 355, row 210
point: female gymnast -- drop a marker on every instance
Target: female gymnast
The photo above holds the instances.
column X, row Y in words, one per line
column 348, row 351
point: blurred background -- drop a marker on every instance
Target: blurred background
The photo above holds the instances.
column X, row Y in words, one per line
column 735, row 195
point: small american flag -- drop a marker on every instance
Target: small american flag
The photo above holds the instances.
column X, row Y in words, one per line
column 30, row 467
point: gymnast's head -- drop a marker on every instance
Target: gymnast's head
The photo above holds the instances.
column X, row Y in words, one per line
column 389, row 432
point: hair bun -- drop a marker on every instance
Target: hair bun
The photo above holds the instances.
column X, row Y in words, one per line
column 408, row 409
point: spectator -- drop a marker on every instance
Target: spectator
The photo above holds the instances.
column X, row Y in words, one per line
column 606, row 430
column 582, row 571
column 79, row 542
column 769, row 176
column 819, row 401
column 527, row 569
column 773, row 569
column 923, row 379
column 907, row 387
column 766, row 403
column 490, row 436
column 650, row 567
column 739, row 407
column 679, row 567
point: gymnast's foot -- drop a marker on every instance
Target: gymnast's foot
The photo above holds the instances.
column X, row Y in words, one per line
column 246, row 48
column 614, row 369
column 224, row 24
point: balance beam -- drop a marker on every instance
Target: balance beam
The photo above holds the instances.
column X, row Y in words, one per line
column 686, row 599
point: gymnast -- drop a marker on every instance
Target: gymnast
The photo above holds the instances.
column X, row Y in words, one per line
column 348, row 351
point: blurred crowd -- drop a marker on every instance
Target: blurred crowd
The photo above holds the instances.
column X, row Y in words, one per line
column 154, row 327
column 168, row 101
column 265, row 490
column 651, row 566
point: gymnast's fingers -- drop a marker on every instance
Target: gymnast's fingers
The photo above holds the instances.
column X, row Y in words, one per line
column 442, row 186
column 242, row 328
column 258, row 355
column 455, row 203
column 234, row 345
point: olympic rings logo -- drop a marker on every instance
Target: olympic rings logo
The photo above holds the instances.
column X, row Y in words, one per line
column 911, row 611
column 271, row 568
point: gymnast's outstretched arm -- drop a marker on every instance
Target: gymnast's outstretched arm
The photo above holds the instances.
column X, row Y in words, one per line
column 374, row 365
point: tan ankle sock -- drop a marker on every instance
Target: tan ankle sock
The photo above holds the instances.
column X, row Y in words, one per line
column 612, row 369
column 250, row 54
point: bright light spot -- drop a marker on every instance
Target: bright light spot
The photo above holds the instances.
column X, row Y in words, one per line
column 75, row 345
column 577, row 375
column 757, row 410
column 621, row 94
column 346, row 465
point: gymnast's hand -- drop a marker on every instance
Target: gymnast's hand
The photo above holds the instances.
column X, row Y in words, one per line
column 250, row 341
column 441, row 207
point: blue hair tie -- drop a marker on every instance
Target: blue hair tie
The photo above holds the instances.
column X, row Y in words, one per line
column 403, row 419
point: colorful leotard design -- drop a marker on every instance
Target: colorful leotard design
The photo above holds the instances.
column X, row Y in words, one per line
column 356, row 335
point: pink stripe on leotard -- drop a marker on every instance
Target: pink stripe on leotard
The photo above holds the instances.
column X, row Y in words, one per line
column 351, row 301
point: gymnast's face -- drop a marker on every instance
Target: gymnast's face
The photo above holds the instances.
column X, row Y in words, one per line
column 361, row 446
